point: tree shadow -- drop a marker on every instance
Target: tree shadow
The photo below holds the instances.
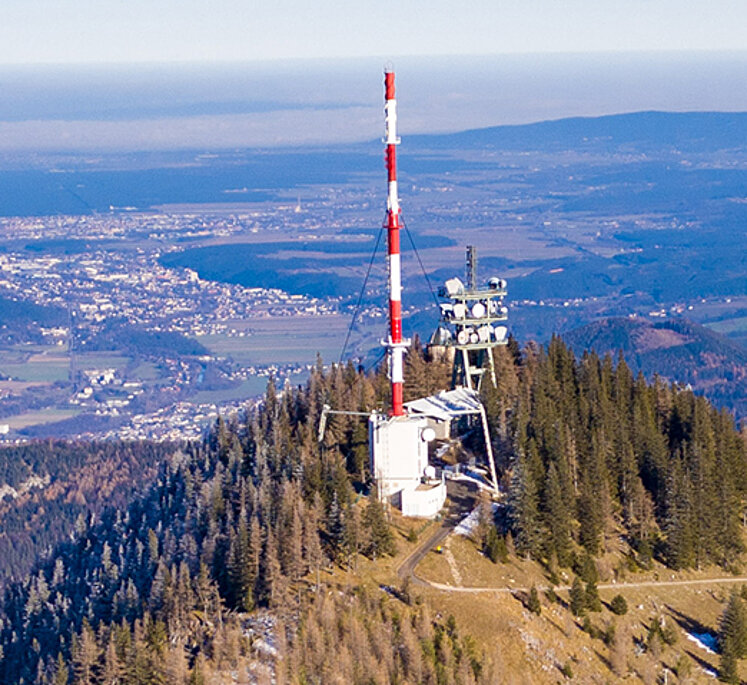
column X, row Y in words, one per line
column 688, row 623
column 603, row 659
column 692, row 626
column 702, row 663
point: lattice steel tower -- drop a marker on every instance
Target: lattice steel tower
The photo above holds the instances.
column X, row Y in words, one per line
column 468, row 318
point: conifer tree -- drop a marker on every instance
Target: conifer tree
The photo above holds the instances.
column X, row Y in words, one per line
column 557, row 518
column 240, row 571
column 577, row 598
column 733, row 626
column 335, row 527
column 523, row 511
column 85, row 655
column 380, row 538
column 591, row 597
column 533, row 603
column 61, row 673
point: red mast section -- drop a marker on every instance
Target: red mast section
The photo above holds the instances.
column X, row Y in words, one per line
column 396, row 344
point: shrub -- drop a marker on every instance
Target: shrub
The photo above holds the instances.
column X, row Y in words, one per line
column 495, row 547
column 533, row 604
column 609, row 634
column 618, row 605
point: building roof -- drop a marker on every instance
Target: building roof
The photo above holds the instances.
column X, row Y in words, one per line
column 447, row 404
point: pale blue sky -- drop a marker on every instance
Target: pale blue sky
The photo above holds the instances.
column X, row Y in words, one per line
column 60, row 31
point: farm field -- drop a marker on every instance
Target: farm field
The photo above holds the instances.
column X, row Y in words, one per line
column 35, row 418
column 286, row 340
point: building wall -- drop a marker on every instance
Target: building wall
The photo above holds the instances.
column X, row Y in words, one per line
column 398, row 453
column 423, row 502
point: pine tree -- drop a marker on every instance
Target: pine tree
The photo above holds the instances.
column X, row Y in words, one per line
column 380, row 540
column 619, row 605
column 271, row 582
column 240, row 571
column 335, row 527
column 577, row 598
column 591, row 597
column 680, row 548
column 733, row 627
column 557, row 518
column 523, row 511
column 85, row 655
column 61, row 674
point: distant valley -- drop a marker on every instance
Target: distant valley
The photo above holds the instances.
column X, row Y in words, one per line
column 240, row 264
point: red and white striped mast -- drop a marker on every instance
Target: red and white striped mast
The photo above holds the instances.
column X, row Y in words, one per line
column 395, row 344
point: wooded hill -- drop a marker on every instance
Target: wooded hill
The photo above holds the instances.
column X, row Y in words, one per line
column 166, row 590
column 48, row 486
column 675, row 349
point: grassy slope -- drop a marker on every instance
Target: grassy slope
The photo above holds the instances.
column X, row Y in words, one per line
column 531, row 649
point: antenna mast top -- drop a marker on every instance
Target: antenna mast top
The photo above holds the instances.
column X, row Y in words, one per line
column 396, row 344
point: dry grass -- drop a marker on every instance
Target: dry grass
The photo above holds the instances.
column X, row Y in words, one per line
column 525, row 648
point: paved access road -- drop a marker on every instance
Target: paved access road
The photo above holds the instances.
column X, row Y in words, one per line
column 462, row 496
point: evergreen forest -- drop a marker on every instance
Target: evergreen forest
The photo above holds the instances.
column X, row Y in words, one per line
column 218, row 572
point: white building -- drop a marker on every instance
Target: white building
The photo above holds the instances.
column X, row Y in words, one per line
column 398, row 448
column 399, row 464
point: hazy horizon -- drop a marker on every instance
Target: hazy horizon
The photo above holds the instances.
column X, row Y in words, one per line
column 88, row 108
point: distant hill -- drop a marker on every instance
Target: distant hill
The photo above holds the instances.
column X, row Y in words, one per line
column 690, row 131
column 676, row 349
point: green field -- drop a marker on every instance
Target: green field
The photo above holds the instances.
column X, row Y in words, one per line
column 34, row 418
column 146, row 371
column 104, row 360
column 44, row 372
column 729, row 326
column 251, row 387
column 284, row 340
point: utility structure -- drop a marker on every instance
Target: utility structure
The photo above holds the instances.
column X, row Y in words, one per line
column 398, row 443
column 395, row 344
column 469, row 316
column 399, row 438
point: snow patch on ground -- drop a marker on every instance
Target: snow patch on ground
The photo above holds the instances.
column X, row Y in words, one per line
column 709, row 672
column 468, row 524
column 707, row 641
column 472, row 475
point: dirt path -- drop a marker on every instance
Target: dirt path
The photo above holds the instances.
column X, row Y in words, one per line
column 462, row 500
column 602, row 586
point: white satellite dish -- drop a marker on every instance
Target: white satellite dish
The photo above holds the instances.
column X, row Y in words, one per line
column 478, row 310
column 454, row 287
column 460, row 310
column 500, row 333
column 483, row 333
column 427, row 434
column 474, row 338
column 462, row 337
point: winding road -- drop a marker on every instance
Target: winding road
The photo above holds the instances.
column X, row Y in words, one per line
column 462, row 496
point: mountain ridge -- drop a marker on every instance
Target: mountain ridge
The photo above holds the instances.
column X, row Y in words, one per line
column 694, row 131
